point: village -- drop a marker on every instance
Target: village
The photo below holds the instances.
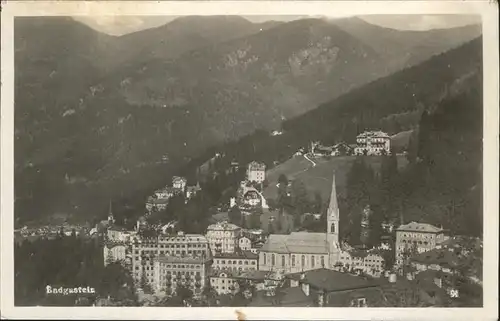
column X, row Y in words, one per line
column 300, row 268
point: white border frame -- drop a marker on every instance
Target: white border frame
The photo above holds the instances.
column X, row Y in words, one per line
column 487, row 9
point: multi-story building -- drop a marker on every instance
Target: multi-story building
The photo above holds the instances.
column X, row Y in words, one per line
column 238, row 261
column 179, row 183
column 146, row 250
column 368, row 262
column 223, row 237
column 256, row 172
column 224, row 282
column 171, row 271
column 373, row 143
column 417, row 237
column 114, row 251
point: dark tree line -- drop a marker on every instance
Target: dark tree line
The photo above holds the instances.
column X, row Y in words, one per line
column 67, row 262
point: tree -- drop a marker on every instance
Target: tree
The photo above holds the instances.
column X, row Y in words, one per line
column 270, row 227
column 300, row 199
column 144, row 284
column 235, row 216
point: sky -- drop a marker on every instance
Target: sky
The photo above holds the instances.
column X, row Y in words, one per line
column 119, row 25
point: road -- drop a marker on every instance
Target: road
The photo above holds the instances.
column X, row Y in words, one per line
column 312, row 162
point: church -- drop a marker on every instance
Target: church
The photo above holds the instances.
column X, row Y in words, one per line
column 302, row 251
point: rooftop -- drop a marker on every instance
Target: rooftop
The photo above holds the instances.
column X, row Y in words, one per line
column 419, row 227
column 223, row 226
column 331, row 281
column 153, row 200
column 373, row 133
column 182, row 259
column 237, row 255
column 253, row 275
column 294, row 297
column 443, row 257
column 117, row 228
column 297, row 242
column 112, row 244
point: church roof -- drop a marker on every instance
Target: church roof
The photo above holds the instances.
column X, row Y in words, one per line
column 297, row 242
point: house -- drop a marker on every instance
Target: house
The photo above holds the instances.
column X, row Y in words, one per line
column 191, row 191
column 118, row 233
column 156, row 204
column 447, row 260
column 373, row 143
column 341, row 149
column 164, row 193
column 223, row 281
column 114, row 251
column 179, row 183
column 256, row 172
column 369, row 262
column 328, row 288
column 244, row 243
column 252, row 198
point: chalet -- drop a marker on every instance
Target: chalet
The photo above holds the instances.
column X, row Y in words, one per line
column 341, row 149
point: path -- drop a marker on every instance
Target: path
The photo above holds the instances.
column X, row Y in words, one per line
column 312, row 162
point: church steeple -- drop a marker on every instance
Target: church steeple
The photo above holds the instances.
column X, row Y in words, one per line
column 111, row 219
column 333, row 217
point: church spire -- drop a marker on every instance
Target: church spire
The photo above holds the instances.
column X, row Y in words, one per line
column 333, row 207
column 332, row 228
column 111, row 219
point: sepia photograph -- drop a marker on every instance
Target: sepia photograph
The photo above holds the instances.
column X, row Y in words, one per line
column 224, row 158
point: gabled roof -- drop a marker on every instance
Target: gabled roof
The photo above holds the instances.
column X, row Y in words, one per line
column 419, row 227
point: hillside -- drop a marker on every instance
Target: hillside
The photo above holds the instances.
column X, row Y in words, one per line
column 442, row 183
column 84, row 136
column 406, row 47
column 177, row 37
column 319, row 178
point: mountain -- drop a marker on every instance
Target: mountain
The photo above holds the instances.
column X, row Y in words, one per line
column 442, row 184
column 85, row 134
column 251, row 82
column 401, row 97
column 177, row 37
column 406, row 47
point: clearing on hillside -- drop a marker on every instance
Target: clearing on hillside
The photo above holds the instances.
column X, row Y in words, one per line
column 319, row 178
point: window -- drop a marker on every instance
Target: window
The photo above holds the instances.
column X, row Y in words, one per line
column 273, row 259
column 283, row 260
column 293, row 260
column 303, row 260
column 265, row 258
column 312, row 260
